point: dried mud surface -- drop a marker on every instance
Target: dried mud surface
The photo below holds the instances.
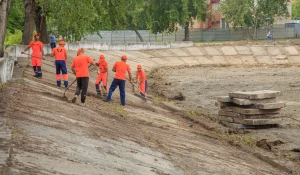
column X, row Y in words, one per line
column 201, row 85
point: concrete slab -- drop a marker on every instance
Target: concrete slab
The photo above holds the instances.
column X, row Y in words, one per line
column 259, row 50
column 195, row 51
column 190, row 60
column 164, row 53
column 237, row 126
column 248, row 60
column 294, row 59
column 240, row 101
column 175, row 61
column 225, row 118
column 224, row 104
column 179, row 52
column 250, row 111
column 233, row 60
column 264, row 60
column 243, row 116
column 274, row 51
column 257, row 121
column 212, row 51
column 278, row 61
column 243, row 50
column 263, row 94
column 204, row 60
column 276, row 105
column 224, row 99
column 291, row 50
column 228, row 50
column 161, row 62
column 141, row 54
column 219, row 60
column 281, row 57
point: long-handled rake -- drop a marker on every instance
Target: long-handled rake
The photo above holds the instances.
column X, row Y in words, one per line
column 65, row 97
column 34, row 56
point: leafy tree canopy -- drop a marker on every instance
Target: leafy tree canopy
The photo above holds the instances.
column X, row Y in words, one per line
column 249, row 13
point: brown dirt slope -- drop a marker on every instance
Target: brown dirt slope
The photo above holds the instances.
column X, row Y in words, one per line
column 52, row 136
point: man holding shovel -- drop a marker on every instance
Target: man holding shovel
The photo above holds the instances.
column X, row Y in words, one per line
column 102, row 75
column 37, row 55
column 60, row 54
column 120, row 67
column 81, row 71
column 141, row 80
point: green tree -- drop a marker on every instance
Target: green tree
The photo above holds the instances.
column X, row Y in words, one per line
column 127, row 14
column 296, row 10
column 253, row 13
column 16, row 16
column 4, row 9
column 168, row 14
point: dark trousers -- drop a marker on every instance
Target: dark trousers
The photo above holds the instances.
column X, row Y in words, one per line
column 52, row 45
column 61, row 67
column 82, row 85
column 114, row 84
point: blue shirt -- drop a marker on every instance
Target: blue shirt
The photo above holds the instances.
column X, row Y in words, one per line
column 52, row 38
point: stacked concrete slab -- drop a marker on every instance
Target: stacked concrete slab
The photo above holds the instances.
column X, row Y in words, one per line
column 253, row 109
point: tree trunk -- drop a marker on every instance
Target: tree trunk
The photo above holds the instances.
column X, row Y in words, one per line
column 139, row 35
column 43, row 30
column 41, row 26
column 29, row 23
column 186, row 32
column 4, row 9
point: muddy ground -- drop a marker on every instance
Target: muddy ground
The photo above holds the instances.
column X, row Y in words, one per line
column 199, row 87
column 43, row 133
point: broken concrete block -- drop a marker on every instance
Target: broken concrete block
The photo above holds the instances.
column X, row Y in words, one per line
column 225, row 118
column 281, row 57
column 225, row 99
column 246, row 102
column 258, row 121
column 250, row 111
column 270, row 105
column 223, row 104
column 263, row 94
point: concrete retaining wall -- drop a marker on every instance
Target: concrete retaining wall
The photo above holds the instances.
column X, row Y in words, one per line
column 109, row 46
column 7, row 65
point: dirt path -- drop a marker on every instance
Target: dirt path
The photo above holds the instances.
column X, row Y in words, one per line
column 52, row 136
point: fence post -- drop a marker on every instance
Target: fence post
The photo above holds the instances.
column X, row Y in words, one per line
column 111, row 33
column 162, row 37
column 175, row 35
column 124, row 37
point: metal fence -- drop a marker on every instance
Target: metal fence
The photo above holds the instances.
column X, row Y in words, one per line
column 196, row 35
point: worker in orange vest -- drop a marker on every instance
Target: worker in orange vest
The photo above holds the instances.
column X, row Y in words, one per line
column 81, row 71
column 37, row 55
column 102, row 75
column 60, row 54
column 141, row 80
column 120, row 67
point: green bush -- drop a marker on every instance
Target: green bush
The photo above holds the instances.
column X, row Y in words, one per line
column 11, row 39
